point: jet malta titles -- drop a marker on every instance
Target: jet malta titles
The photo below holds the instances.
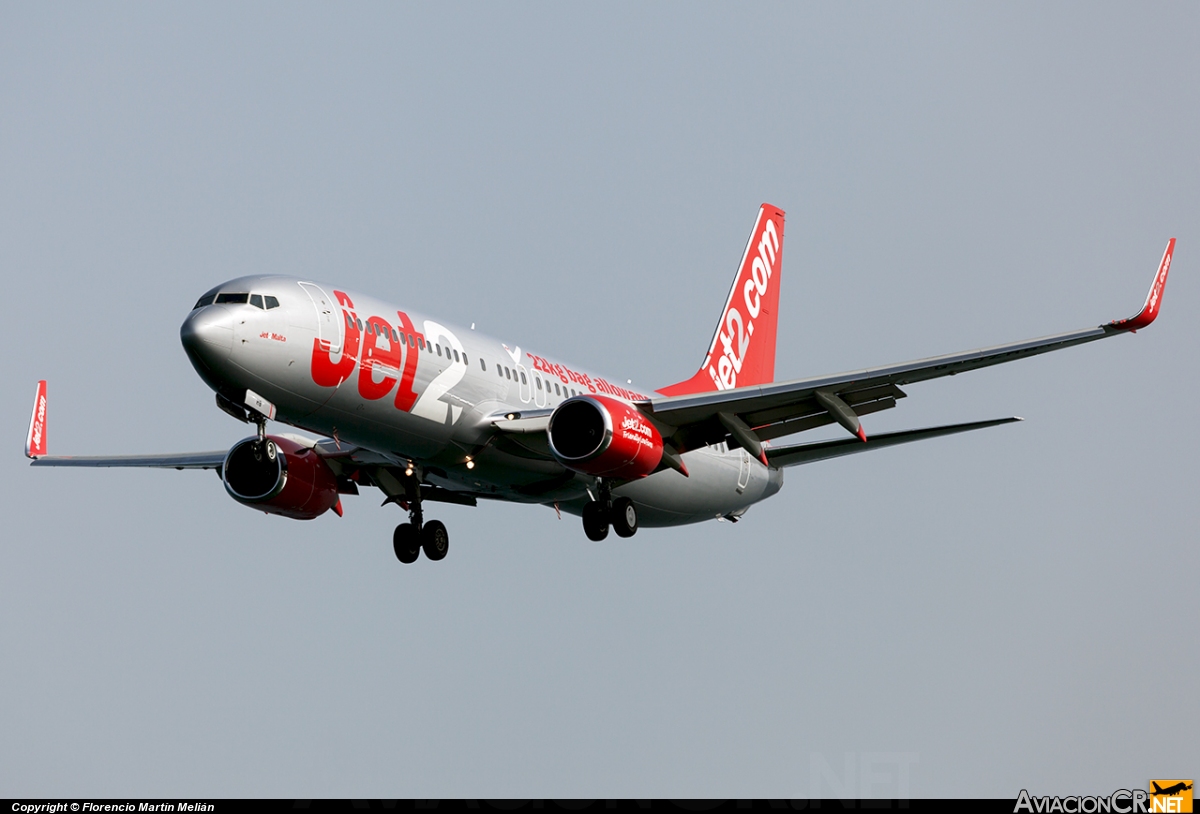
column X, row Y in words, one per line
column 429, row 413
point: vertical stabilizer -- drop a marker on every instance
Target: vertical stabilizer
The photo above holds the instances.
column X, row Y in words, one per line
column 742, row 351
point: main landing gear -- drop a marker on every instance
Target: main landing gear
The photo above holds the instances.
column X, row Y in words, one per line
column 598, row 515
column 410, row 539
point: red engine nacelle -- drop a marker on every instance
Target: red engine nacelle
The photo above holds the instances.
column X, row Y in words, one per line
column 279, row 476
column 598, row 435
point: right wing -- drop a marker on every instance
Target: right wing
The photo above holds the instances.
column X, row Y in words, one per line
column 754, row 414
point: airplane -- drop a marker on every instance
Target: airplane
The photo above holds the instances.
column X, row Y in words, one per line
column 428, row 412
column 1170, row 791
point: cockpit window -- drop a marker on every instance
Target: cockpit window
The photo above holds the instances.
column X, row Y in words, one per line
column 264, row 301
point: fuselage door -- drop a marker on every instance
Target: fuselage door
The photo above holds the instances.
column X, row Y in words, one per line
column 329, row 326
column 526, row 387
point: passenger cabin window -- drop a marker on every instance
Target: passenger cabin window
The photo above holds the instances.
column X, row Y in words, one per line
column 539, row 383
column 438, row 348
column 421, row 342
column 455, row 352
column 271, row 301
column 359, row 322
column 523, row 379
column 233, row 299
column 256, row 300
column 557, row 392
column 507, row 373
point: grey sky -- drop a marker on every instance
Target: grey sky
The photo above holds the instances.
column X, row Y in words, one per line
column 1010, row 609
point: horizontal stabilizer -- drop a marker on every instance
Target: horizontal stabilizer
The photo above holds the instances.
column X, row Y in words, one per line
column 797, row 454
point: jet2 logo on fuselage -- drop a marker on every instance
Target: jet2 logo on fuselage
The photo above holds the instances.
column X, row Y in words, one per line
column 362, row 348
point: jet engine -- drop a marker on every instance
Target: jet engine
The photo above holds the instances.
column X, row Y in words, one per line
column 603, row 436
column 279, row 476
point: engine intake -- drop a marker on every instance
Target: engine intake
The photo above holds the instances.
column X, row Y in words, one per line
column 279, row 476
column 603, row 436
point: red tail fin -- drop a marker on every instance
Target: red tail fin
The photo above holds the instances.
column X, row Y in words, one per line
column 742, row 352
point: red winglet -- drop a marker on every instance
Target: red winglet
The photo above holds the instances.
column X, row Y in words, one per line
column 1153, row 299
column 35, row 442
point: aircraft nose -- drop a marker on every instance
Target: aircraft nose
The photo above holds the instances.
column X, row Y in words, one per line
column 207, row 333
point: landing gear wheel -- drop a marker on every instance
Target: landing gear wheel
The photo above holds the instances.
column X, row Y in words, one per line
column 624, row 517
column 595, row 521
column 406, row 542
column 435, row 540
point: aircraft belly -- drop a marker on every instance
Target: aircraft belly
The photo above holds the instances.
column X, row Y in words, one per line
column 667, row 498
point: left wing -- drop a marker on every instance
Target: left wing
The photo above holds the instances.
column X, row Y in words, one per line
column 350, row 464
column 751, row 415
column 177, row 460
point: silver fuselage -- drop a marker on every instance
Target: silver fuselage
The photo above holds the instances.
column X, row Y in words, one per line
column 433, row 403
